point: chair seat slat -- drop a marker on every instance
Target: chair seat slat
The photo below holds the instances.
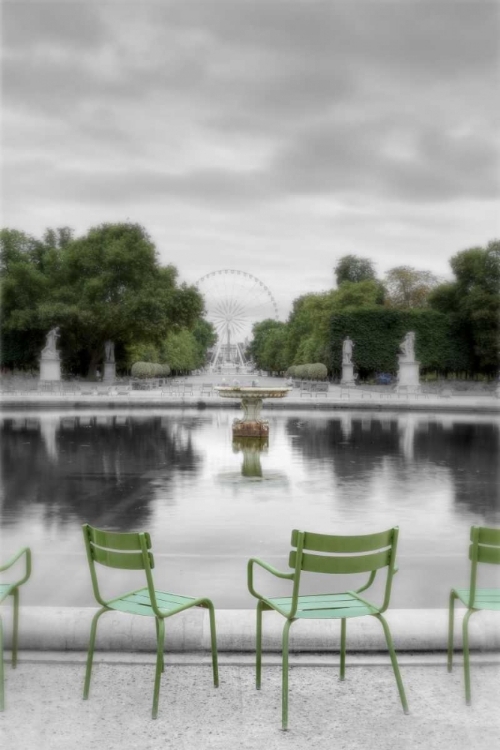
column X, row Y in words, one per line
column 484, row 599
column 324, row 606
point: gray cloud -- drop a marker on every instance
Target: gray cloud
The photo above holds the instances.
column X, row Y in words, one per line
column 241, row 109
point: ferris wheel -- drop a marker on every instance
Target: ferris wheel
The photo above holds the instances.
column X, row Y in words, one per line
column 234, row 301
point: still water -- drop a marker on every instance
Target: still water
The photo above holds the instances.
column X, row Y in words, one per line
column 210, row 504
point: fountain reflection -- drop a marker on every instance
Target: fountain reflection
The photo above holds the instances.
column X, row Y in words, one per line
column 251, row 447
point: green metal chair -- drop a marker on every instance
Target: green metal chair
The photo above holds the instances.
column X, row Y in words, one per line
column 131, row 551
column 485, row 548
column 338, row 555
column 12, row 589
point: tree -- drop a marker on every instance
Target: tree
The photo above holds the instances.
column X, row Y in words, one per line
column 473, row 302
column 23, row 287
column 180, row 351
column 353, row 268
column 367, row 293
column 408, row 288
column 105, row 285
column 263, row 346
column 205, row 336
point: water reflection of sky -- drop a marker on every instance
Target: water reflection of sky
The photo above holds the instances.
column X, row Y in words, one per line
column 179, row 476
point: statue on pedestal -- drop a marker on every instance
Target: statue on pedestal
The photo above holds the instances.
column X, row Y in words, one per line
column 50, row 349
column 347, row 347
column 347, row 363
column 408, row 367
column 109, row 350
column 407, row 348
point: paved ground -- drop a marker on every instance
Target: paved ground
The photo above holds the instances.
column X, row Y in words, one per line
column 45, row 711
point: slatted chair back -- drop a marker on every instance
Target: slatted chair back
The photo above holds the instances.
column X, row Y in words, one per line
column 366, row 553
column 484, row 548
column 120, row 550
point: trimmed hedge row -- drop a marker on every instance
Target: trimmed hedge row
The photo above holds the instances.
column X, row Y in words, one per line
column 440, row 344
column 315, row 371
column 149, row 370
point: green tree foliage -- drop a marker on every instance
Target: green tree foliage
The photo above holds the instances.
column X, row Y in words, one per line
column 353, row 268
column 205, row 337
column 351, row 295
column 378, row 333
column 24, row 286
column 473, row 302
column 267, row 348
column 180, row 351
column 408, row 288
column 105, row 285
column 308, row 337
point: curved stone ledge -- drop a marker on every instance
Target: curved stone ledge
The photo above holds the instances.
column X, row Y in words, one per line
column 67, row 629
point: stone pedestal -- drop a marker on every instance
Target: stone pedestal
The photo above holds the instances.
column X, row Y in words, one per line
column 109, row 373
column 250, row 428
column 409, row 373
column 347, row 374
column 50, row 369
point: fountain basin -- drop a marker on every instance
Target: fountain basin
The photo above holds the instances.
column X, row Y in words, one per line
column 251, row 398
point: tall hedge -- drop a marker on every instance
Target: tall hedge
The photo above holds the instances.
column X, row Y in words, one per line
column 377, row 334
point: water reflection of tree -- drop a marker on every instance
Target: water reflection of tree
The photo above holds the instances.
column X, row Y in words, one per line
column 355, row 455
column 106, row 471
column 469, row 451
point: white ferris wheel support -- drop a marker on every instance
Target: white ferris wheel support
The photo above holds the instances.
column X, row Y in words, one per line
column 234, row 301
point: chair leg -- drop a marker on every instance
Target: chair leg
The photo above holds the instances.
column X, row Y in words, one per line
column 213, row 643
column 1, row 668
column 451, row 619
column 284, row 676
column 15, row 627
column 162, row 653
column 258, row 648
column 394, row 662
column 160, row 645
column 465, row 635
column 343, row 628
column 90, row 654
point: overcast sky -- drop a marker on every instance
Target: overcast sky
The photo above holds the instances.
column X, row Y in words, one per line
column 268, row 136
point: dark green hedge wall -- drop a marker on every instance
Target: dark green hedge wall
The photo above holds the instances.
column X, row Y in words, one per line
column 377, row 333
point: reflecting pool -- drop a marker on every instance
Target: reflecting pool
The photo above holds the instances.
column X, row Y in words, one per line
column 210, row 504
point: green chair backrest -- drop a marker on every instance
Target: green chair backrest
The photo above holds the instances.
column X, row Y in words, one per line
column 124, row 551
column 366, row 553
column 484, row 548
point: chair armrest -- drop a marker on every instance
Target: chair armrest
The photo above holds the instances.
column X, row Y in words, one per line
column 24, row 551
column 269, row 568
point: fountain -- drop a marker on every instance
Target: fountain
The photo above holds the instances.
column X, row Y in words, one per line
column 251, row 402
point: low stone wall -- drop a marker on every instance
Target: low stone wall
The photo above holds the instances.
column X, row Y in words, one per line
column 67, row 629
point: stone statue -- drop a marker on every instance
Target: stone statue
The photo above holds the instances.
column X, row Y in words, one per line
column 109, row 349
column 50, row 349
column 407, row 348
column 347, row 347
